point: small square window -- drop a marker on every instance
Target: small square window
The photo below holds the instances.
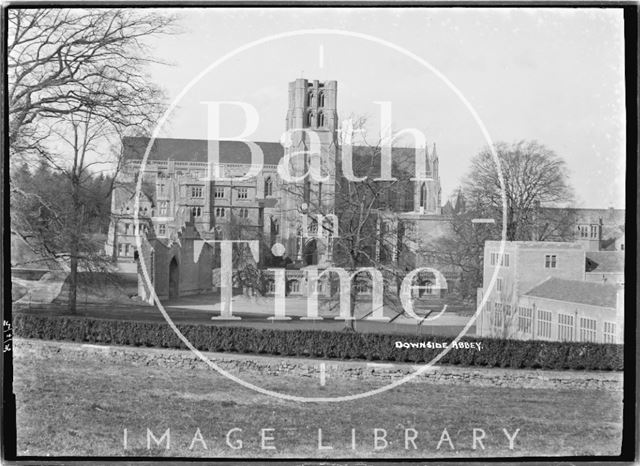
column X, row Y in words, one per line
column 164, row 207
column 294, row 286
column 550, row 261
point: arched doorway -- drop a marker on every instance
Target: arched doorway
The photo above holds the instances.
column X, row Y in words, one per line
column 174, row 279
column 310, row 254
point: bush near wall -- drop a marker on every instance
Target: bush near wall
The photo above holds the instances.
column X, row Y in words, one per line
column 322, row 344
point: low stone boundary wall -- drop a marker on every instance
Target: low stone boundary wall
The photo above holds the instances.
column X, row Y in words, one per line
column 304, row 367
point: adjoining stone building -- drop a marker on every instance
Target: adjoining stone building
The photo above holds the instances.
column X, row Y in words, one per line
column 175, row 266
column 546, row 290
column 594, row 229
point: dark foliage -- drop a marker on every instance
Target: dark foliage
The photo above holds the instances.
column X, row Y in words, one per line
column 323, row 344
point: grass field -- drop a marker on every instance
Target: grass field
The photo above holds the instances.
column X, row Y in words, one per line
column 73, row 408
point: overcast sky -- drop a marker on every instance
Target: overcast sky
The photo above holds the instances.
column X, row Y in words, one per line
column 554, row 75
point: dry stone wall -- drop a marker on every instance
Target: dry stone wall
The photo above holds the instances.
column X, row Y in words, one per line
column 302, row 367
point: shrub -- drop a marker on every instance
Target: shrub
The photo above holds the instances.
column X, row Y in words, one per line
column 324, row 344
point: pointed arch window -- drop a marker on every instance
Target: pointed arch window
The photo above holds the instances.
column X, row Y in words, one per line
column 423, row 195
column 310, row 119
column 268, row 187
column 321, row 120
column 309, row 99
column 321, row 99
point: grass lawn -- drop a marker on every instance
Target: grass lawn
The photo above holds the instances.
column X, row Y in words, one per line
column 82, row 408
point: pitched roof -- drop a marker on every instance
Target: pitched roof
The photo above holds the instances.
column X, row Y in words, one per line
column 576, row 291
column 366, row 160
column 605, row 261
column 196, row 150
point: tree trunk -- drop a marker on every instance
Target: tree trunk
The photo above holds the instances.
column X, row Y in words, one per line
column 350, row 325
column 73, row 276
column 74, row 238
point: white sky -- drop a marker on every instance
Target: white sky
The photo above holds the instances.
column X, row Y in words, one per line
column 553, row 75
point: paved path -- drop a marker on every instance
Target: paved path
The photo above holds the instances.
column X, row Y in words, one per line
column 44, row 290
column 198, row 309
column 297, row 307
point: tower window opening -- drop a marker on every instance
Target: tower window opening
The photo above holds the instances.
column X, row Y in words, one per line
column 321, row 120
column 268, row 187
column 321, row 99
column 309, row 99
column 309, row 119
column 306, row 195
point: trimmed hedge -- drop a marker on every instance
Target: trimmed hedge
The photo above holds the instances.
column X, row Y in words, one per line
column 323, row 344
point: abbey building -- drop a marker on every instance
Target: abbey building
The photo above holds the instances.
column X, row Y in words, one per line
column 180, row 204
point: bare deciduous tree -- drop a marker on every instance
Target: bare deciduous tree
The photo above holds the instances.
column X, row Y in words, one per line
column 77, row 84
column 533, row 176
column 54, row 57
column 370, row 230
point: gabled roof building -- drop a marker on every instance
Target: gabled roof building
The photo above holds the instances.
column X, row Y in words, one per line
column 551, row 291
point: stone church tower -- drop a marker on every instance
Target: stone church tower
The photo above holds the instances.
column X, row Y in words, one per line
column 311, row 144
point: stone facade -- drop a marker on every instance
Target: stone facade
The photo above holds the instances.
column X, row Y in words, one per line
column 179, row 190
column 176, row 266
